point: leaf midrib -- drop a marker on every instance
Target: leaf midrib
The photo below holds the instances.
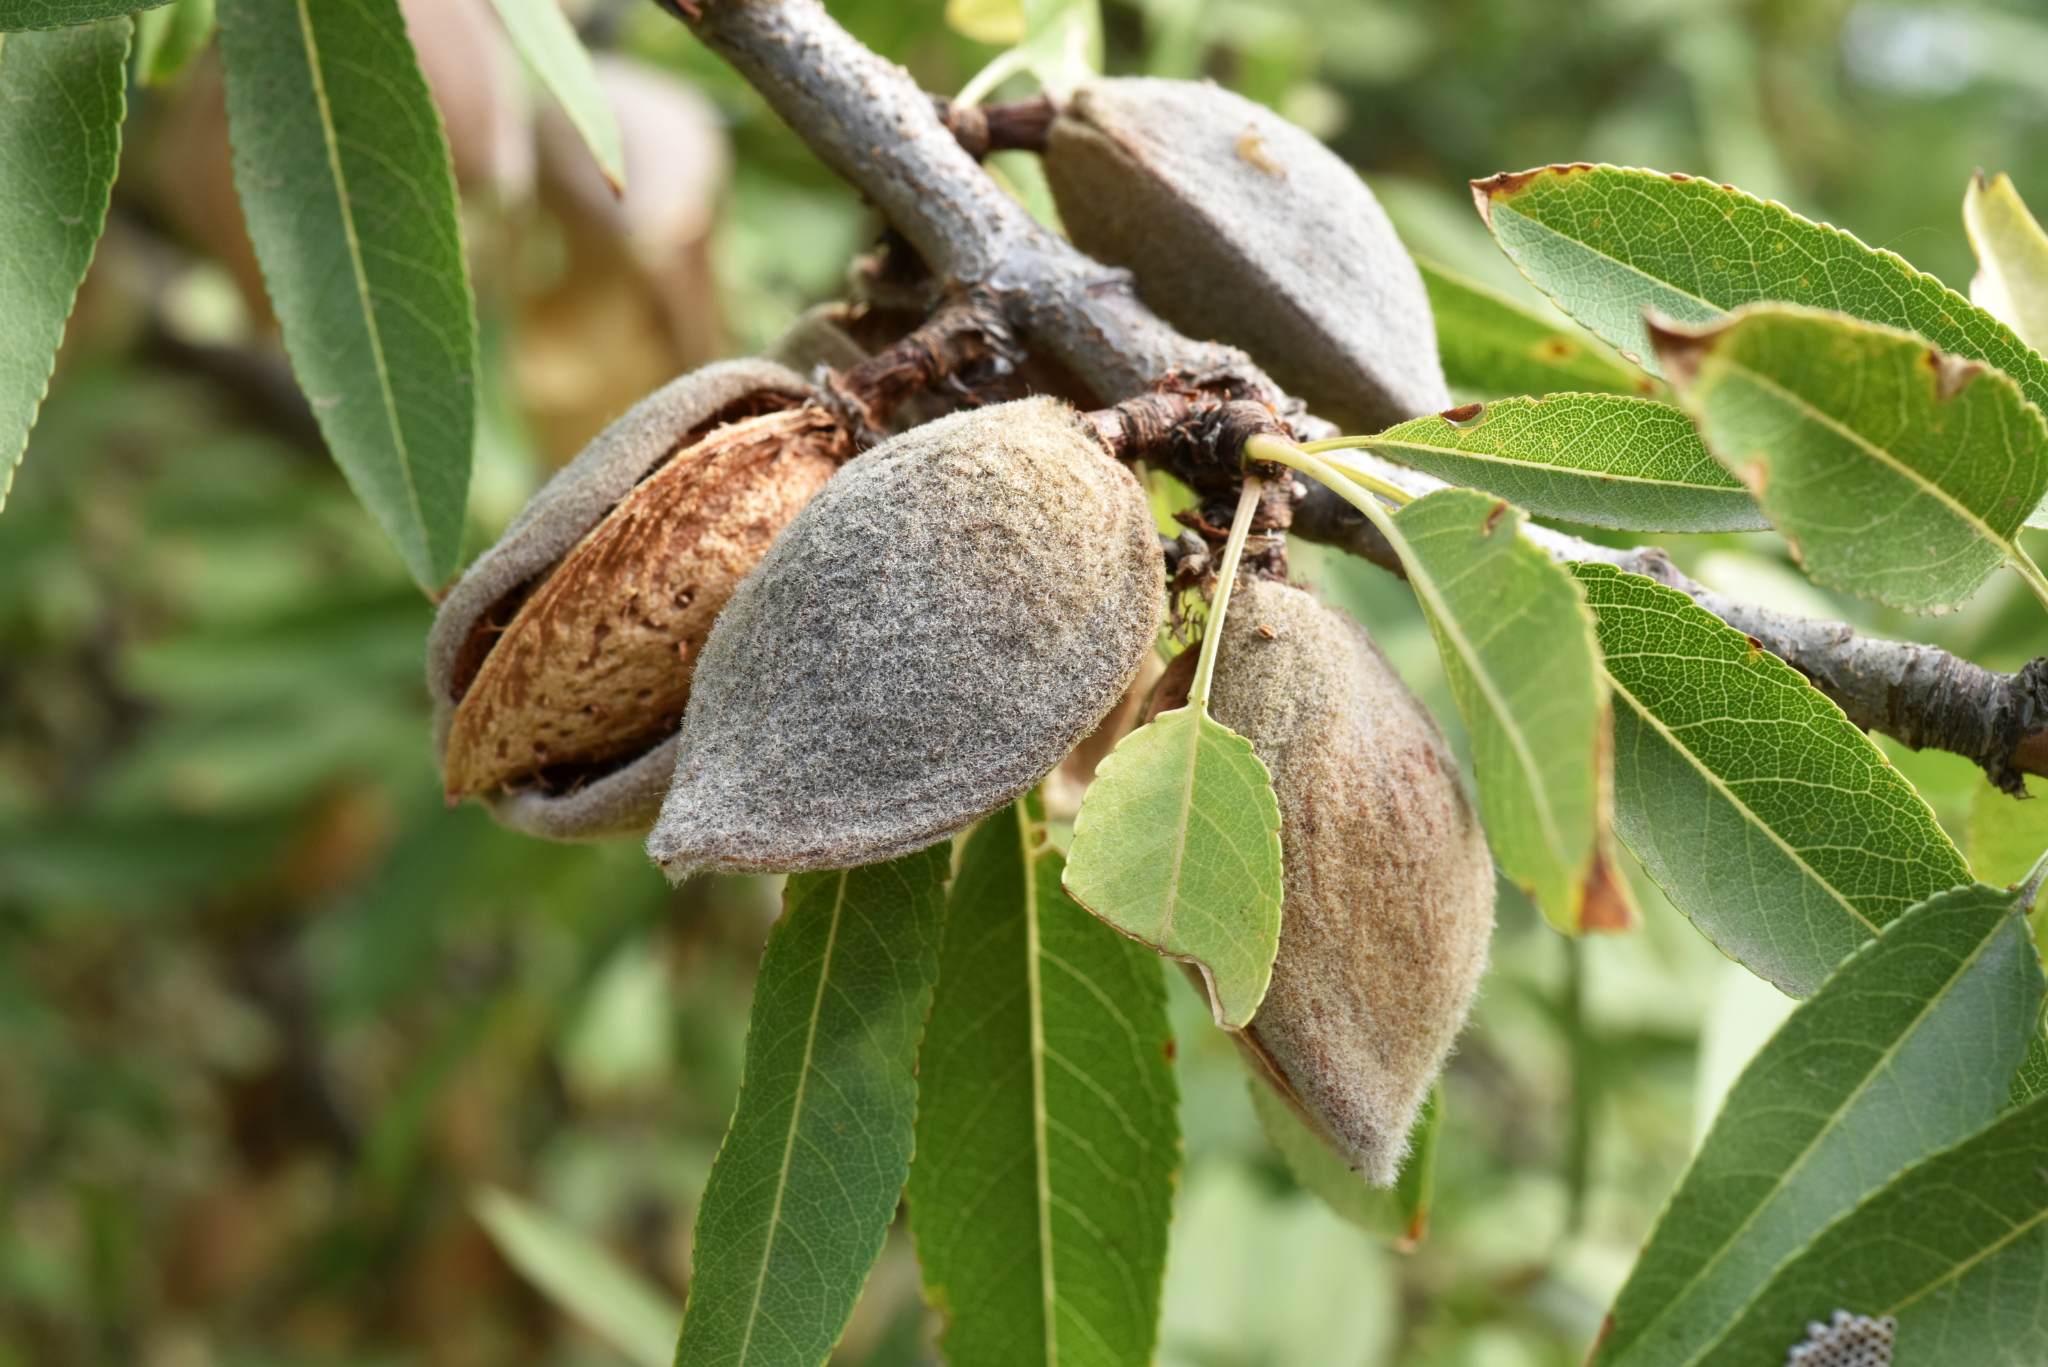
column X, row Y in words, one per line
column 1715, row 781
column 1180, row 834
column 796, row 1111
column 330, row 139
column 1826, row 1128
column 1602, row 476
column 1592, row 250
column 1805, row 407
column 1425, row 583
column 1041, row 1159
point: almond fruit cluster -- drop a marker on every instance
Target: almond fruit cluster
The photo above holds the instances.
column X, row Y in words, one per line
column 725, row 626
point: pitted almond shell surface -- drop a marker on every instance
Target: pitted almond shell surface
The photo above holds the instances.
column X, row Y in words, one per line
column 620, row 795
column 596, row 662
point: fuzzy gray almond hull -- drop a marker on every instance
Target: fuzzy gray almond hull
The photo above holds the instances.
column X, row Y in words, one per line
column 624, row 798
column 1243, row 228
column 926, row 640
column 1389, row 883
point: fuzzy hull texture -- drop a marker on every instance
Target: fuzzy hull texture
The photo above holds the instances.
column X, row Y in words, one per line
column 1241, row 227
column 927, row 639
column 1389, row 883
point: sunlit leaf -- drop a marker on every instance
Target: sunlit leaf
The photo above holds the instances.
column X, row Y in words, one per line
column 344, row 179
column 1517, row 644
column 1764, row 813
column 2012, row 257
column 999, row 22
column 1597, row 458
column 1046, row 1136
column 16, row 15
column 1910, row 1047
column 815, row 1158
column 1607, row 243
column 1893, row 470
column 547, row 42
column 1493, row 347
column 61, row 104
column 1177, row 845
column 582, row 1277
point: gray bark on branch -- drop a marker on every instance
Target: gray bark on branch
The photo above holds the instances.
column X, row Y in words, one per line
column 871, row 123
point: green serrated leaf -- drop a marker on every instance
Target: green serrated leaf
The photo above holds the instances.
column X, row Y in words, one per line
column 2012, row 257
column 1636, row 464
column 548, row 44
column 17, row 15
column 1046, row 1135
column 1177, row 845
column 1400, row 1213
column 1607, row 243
column 1492, row 347
column 2032, row 1078
column 1518, row 648
column 814, row 1160
column 1893, row 470
column 1908, row 1048
column 1954, row 1249
column 61, row 104
column 345, row 182
column 1764, row 814
column 167, row 39
column 581, row 1276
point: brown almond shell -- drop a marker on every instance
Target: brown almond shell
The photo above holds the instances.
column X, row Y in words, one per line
column 616, row 792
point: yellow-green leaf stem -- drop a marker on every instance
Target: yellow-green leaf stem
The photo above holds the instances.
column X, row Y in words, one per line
column 1226, row 577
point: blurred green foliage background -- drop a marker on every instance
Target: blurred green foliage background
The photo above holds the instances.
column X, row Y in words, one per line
column 273, row 1018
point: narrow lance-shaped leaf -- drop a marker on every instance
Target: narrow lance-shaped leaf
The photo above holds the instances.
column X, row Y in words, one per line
column 1516, row 639
column 1955, row 1250
column 1493, row 347
column 1894, row 471
column 1177, row 843
column 1400, row 1213
column 547, row 42
column 582, row 1277
column 1908, row 1048
column 1046, row 1135
column 1518, row 648
column 344, row 179
column 61, row 103
column 1767, row 817
column 814, row 1160
column 2012, row 257
column 17, row 15
column 1607, row 243
column 1603, row 459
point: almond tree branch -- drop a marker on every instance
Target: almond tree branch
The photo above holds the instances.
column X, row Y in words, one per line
column 869, row 121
